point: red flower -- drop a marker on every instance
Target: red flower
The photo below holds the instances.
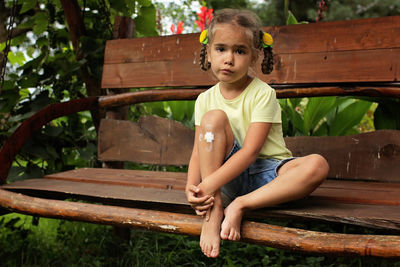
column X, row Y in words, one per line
column 205, row 17
column 179, row 29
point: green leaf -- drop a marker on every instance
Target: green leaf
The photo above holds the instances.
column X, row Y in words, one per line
column 8, row 99
column 120, row 6
column 16, row 58
column 27, row 5
column 291, row 19
column 144, row 2
column 349, row 117
column 316, row 109
column 146, row 21
column 29, row 81
column 41, row 21
column 387, row 114
column 178, row 109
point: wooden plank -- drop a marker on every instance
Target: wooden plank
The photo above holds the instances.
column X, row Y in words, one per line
column 336, row 67
column 359, row 34
column 342, row 51
column 372, row 216
column 269, row 235
column 336, row 207
column 367, row 156
column 101, row 191
column 133, row 178
column 333, row 67
column 359, row 192
column 152, row 140
column 333, row 190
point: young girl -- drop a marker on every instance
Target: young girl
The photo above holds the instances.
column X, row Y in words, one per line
column 239, row 156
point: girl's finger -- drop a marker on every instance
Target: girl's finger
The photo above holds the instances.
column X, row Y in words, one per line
column 200, row 213
column 204, row 207
column 194, row 189
column 198, row 200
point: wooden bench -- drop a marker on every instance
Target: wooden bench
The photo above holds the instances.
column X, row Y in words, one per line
column 359, row 57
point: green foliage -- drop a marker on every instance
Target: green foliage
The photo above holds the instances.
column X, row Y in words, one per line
column 323, row 116
column 387, row 114
column 45, row 69
column 30, row 241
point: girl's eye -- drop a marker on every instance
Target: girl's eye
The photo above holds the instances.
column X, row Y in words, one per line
column 241, row 51
column 220, row 49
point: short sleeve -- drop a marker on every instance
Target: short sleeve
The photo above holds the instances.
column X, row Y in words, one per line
column 199, row 109
column 266, row 107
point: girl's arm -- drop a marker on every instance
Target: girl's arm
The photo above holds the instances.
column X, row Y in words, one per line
column 240, row 161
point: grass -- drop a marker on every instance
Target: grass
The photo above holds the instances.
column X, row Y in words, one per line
column 28, row 241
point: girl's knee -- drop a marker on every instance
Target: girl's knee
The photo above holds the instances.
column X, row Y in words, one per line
column 318, row 167
column 215, row 127
column 214, row 119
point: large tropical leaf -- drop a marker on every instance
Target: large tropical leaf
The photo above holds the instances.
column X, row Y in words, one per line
column 348, row 117
column 316, row 109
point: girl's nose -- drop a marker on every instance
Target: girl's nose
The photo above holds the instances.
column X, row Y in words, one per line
column 229, row 58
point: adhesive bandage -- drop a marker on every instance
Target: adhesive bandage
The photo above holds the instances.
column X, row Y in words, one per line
column 209, row 137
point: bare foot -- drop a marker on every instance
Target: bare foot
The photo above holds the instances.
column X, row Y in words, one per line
column 210, row 231
column 230, row 228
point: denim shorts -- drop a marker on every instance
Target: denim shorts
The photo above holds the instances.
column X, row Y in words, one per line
column 260, row 173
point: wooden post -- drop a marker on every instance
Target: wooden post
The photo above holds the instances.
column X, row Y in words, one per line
column 124, row 27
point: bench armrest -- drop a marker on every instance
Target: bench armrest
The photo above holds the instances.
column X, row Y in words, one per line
column 13, row 145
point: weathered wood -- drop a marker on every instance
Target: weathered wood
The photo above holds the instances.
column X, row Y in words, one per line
column 342, row 51
column 12, row 146
column 281, row 92
column 333, row 67
column 336, row 190
column 149, row 96
column 274, row 236
column 152, row 140
column 133, row 178
column 369, row 156
column 347, row 35
column 374, row 205
column 373, row 193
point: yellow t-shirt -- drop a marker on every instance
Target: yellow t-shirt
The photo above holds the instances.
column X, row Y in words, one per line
column 257, row 103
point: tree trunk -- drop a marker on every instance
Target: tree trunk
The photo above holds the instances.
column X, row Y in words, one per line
column 76, row 27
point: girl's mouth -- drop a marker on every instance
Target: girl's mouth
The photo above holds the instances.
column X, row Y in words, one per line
column 226, row 71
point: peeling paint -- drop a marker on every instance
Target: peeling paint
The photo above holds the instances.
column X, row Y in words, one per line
column 168, row 227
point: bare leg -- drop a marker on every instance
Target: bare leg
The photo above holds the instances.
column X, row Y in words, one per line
column 296, row 179
column 215, row 141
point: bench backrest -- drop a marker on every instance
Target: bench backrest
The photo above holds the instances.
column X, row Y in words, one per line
column 329, row 58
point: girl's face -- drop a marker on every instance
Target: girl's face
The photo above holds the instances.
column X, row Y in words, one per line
column 231, row 53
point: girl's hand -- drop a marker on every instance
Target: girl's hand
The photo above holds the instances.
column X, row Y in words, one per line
column 199, row 204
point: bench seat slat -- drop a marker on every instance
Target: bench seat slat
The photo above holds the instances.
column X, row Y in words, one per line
column 134, row 178
column 340, row 191
column 337, row 201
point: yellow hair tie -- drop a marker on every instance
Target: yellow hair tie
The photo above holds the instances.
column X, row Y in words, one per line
column 204, row 37
column 267, row 40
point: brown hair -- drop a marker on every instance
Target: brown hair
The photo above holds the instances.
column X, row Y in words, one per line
column 245, row 19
